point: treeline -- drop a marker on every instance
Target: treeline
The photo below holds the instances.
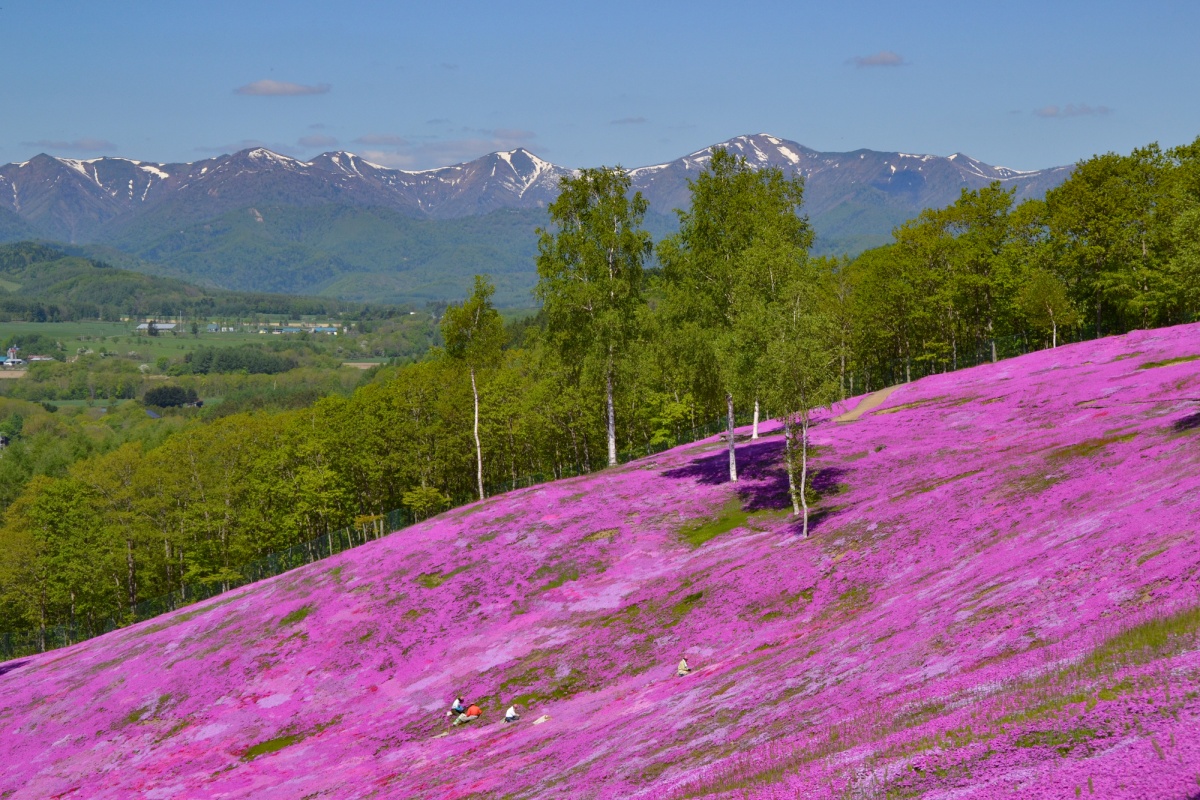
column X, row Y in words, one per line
column 101, row 369
column 44, row 440
column 42, row 283
column 1115, row 247
column 249, row 358
column 736, row 317
column 104, row 382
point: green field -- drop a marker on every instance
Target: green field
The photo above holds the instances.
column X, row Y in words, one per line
column 102, row 403
column 119, row 337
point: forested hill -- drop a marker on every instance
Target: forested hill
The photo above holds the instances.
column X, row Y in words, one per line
column 40, row 283
column 997, row 600
column 340, row 226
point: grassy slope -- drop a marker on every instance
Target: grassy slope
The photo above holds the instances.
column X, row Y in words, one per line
column 999, row 601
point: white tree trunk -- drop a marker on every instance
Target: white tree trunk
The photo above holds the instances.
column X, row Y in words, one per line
column 612, row 422
column 478, row 445
column 789, row 430
column 732, row 453
column 804, row 469
column 754, row 432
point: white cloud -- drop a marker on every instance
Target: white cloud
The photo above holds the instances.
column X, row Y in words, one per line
column 383, row 140
column 391, row 150
column 317, row 140
column 247, row 144
column 281, row 88
column 884, row 58
column 84, row 144
column 1071, row 110
column 513, row 136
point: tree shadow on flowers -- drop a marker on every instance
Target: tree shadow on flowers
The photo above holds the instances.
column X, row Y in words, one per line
column 1189, row 423
column 755, row 462
column 10, row 666
column 763, row 484
column 826, row 484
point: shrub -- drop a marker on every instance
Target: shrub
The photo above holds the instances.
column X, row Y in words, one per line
column 169, row 396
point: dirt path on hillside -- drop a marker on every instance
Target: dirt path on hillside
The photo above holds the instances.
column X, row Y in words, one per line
column 870, row 402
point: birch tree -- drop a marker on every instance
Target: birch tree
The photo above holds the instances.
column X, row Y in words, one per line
column 726, row 263
column 1044, row 300
column 474, row 334
column 803, row 358
column 590, row 275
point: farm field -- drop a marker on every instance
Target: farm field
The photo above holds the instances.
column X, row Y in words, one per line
column 998, row 600
column 119, row 337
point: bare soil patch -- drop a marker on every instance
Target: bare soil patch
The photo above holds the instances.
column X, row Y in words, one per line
column 868, row 403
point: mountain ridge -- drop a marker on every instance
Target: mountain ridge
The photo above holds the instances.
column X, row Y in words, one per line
column 112, row 188
column 165, row 213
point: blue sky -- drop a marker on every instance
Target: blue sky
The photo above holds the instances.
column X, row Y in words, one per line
column 414, row 85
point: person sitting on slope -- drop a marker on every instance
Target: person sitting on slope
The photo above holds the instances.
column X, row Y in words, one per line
column 456, row 707
column 683, row 669
column 473, row 712
column 511, row 715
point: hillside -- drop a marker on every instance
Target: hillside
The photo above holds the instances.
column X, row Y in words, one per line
column 999, row 599
column 358, row 254
column 40, row 282
column 343, row 227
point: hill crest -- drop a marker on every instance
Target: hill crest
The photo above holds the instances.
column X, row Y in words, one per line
column 1002, row 573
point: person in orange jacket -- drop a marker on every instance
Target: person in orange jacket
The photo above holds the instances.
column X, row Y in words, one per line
column 473, row 712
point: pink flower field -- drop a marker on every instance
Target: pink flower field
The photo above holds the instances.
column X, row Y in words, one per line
column 999, row 598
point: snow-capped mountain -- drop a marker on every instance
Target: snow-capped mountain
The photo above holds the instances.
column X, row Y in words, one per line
column 86, row 200
column 342, row 226
column 76, row 200
column 913, row 182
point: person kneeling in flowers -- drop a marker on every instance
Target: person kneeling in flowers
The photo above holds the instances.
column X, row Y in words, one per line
column 684, row 669
column 473, row 712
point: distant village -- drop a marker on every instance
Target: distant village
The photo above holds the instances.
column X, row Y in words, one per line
column 279, row 328
column 14, row 359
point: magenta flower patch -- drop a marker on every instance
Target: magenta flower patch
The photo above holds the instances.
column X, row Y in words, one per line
column 999, row 599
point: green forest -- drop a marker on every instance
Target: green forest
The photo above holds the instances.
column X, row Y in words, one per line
column 636, row 343
column 44, row 283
